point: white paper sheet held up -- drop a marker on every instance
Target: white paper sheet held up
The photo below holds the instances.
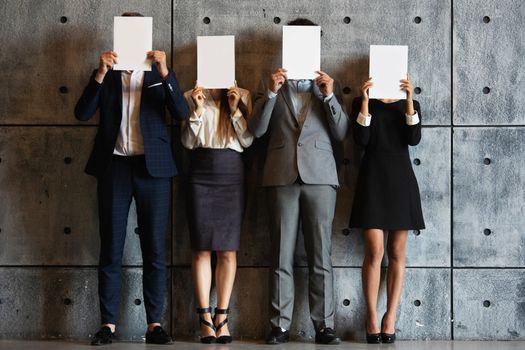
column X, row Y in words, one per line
column 216, row 61
column 132, row 39
column 388, row 65
column 301, row 51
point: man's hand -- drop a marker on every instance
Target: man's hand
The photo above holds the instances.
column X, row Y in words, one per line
column 159, row 57
column 277, row 79
column 325, row 83
column 107, row 61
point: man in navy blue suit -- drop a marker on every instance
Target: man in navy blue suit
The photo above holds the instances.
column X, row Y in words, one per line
column 132, row 158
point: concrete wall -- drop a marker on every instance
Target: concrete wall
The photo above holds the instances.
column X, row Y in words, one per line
column 466, row 274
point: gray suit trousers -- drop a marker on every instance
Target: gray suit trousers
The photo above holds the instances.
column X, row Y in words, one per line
column 313, row 206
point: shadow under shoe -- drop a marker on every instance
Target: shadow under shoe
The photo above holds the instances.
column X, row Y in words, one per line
column 103, row 337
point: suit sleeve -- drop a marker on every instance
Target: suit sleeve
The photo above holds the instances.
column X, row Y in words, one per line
column 262, row 112
column 336, row 114
column 361, row 133
column 88, row 102
column 175, row 101
column 413, row 132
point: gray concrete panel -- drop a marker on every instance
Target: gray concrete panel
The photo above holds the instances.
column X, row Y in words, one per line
column 489, row 304
column 489, row 47
column 43, row 55
column 249, row 305
column 345, row 46
column 489, row 215
column 49, row 214
column 51, row 303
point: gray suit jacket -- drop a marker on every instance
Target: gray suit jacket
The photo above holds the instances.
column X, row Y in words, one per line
column 294, row 151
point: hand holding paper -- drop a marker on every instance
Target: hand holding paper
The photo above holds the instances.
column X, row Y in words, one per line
column 277, row 79
column 159, row 57
column 107, row 61
column 325, row 83
column 367, row 84
column 406, row 85
column 234, row 96
column 198, row 97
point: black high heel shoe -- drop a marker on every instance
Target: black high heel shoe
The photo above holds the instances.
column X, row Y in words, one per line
column 372, row 338
column 387, row 338
column 223, row 339
column 211, row 338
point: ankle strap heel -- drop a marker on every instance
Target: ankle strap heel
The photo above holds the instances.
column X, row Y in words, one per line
column 207, row 310
column 223, row 339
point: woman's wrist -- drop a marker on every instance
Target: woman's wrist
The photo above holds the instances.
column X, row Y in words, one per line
column 364, row 108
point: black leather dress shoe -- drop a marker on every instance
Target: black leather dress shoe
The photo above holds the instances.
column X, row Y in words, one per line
column 158, row 336
column 327, row 336
column 103, row 337
column 277, row 336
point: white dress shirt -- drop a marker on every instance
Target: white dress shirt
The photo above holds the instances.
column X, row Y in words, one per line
column 129, row 140
column 201, row 131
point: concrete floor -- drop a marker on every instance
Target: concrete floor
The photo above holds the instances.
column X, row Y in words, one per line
column 403, row 345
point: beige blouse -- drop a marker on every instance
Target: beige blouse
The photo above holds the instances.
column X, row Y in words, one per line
column 201, row 131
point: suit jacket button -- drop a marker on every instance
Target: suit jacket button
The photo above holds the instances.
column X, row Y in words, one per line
column 299, row 144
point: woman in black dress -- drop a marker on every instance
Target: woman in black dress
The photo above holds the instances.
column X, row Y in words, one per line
column 216, row 133
column 387, row 197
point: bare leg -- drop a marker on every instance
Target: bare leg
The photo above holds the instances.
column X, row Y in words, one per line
column 371, row 274
column 224, row 279
column 201, row 266
column 396, row 248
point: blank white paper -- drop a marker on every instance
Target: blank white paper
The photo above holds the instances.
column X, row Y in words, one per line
column 388, row 65
column 216, row 61
column 132, row 39
column 301, row 51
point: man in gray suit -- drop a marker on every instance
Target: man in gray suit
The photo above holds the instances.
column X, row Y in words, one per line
column 304, row 118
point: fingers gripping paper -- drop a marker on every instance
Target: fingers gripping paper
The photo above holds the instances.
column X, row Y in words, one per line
column 301, row 51
column 216, row 61
column 132, row 39
column 388, row 65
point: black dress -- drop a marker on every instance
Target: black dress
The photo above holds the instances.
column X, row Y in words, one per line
column 387, row 195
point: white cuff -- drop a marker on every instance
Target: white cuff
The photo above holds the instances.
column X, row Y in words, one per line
column 194, row 118
column 364, row 120
column 412, row 119
column 328, row 98
column 236, row 115
column 271, row 94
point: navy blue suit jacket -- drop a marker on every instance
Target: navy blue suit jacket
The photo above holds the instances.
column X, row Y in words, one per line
column 157, row 94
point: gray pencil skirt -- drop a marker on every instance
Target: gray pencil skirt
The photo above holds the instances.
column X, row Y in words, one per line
column 215, row 200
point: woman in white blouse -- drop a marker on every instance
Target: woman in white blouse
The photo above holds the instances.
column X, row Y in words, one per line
column 216, row 133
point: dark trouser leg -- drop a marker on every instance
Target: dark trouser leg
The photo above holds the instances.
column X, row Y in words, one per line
column 114, row 199
column 284, row 222
column 152, row 199
column 317, row 214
